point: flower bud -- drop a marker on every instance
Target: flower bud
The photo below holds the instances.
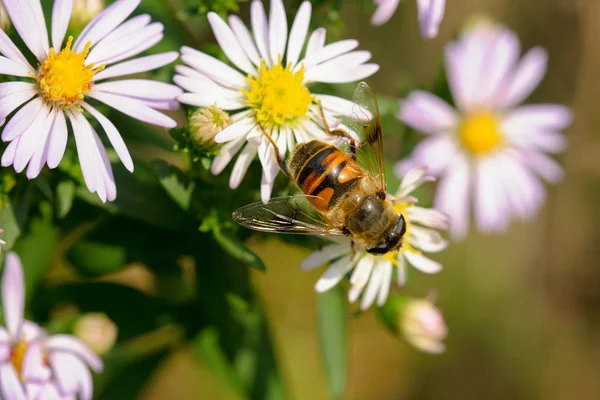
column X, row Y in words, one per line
column 97, row 331
column 4, row 20
column 84, row 11
column 423, row 326
column 206, row 122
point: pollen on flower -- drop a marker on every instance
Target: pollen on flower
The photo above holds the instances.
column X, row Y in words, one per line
column 400, row 208
column 63, row 78
column 17, row 355
column 479, row 133
column 278, row 95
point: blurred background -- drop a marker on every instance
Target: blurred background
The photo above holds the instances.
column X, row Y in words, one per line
column 522, row 307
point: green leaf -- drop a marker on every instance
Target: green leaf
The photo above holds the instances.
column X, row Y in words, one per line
column 235, row 248
column 175, row 183
column 96, row 259
column 333, row 337
column 65, row 193
column 8, row 222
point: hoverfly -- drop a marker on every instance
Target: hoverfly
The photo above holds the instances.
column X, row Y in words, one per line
column 344, row 193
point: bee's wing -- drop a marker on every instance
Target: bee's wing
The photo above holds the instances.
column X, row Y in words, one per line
column 366, row 123
column 289, row 214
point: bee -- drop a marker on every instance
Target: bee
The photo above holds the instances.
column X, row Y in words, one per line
column 344, row 191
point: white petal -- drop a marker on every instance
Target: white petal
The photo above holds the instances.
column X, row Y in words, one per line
column 460, row 75
column 316, row 41
column 114, row 136
column 22, row 120
column 104, row 169
column 386, row 281
column 298, row 32
column 241, row 165
column 137, row 65
column 8, row 157
column 13, row 294
column 147, row 39
column 498, row 65
column 13, row 68
column 142, row 88
column 72, row 345
column 427, row 217
column 28, row 20
column 427, row 113
column 412, row 180
column 229, row 44
column 29, row 140
column 61, row 13
column 546, row 141
column 134, row 109
column 374, row 284
column 422, row 263
column 87, row 159
column 527, row 76
column 226, row 155
column 334, row 274
column 105, row 22
column 437, row 153
column 34, row 367
column 41, row 148
column 545, row 166
column 58, row 140
column 324, row 255
column 266, row 188
column 10, row 384
column 336, row 105
column 244, row 38
column 538, row 117
column 8, row 88
column 385, row 10
column 322, row 73
column 401, row 269
column 125, row 31
column 8, row 49
column 330, row 52
column 452, row 197
column 65, row 371
column 11, row 102
column 216, row 69
column 348, row 61
column 235, row 130
column 360, row 277
column 278, row 30
column 489, row 199
column 427, row 240
column 260, row 28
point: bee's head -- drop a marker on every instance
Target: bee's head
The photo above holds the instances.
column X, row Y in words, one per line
column 392, row 238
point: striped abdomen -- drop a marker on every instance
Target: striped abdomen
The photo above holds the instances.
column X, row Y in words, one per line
column 324, row 171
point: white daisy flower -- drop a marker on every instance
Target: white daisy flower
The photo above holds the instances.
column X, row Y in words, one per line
column 490, row 153
column 375, row 272
column 423, row 326
column 431, row 13
column 56, row 90
column 268, row 85
column 34, row 365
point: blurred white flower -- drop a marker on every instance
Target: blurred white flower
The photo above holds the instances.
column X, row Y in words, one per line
column 375, row 272
column 489, row 153
column 97, row 331
column 63, row 79
column 423, row 326
column 34, row 365
column 85, row 10
column 431, row 13
column 269, row 83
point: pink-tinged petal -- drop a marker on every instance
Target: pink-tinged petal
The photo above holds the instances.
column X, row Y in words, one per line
column 134, row 109
column 8, row 49
column 113, row 136
column 422, row 263
column 32, row 331
column 83, row 139
column 57, row 140
column 527, row 76
column 11, row 387
column 229, row 44
column 453, row 194
column 545, row 141
column 298, row 32
column 125, row 31
column 67, row 343
column 13, row 68
column 431, row 13
column 459, row 77
column 103, row 170
column 489, row 200
column 8, row 157
column 61, row 13
column 11, row 102
column 226, row 155
column 142, row 88
column 66, row 373
column 427, row 113
column 329, row 52
column 148, row 38
column 4, row 345
column 213, row 68
column 29, row 140
column 137, row 65
column 29, row 23
column 436, row 153
column 316, row 42
column 373, row 286
column 544, row 166
column 538, row 117
column 278, row 30
column 385, row 10
column 334, row 274
column 34, row 368
column 41, row 148
column 241, row 165
column 498, row 66
column 260, row 28
column 22, row 120
column 13, row 294
column 244, row 38
column 266, row 188
column 105, row 22
column 386, row 282
column 235, row 130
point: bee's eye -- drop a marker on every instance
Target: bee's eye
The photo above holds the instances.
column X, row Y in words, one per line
column 381, row 248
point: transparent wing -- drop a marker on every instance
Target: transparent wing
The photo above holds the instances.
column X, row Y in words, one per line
column 365, row 122
column 289, row 214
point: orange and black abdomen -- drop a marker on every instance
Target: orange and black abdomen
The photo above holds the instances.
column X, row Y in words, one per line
column 322, row 170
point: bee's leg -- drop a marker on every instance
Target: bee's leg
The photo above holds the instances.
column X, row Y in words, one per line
column 280, row 160
column 352, row 248
column 338, row 132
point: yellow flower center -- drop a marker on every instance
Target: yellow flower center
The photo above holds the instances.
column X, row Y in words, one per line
column 278, row 95
column 17, row 354
column 479, row 133
column 63, row 78
column 401, row 208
